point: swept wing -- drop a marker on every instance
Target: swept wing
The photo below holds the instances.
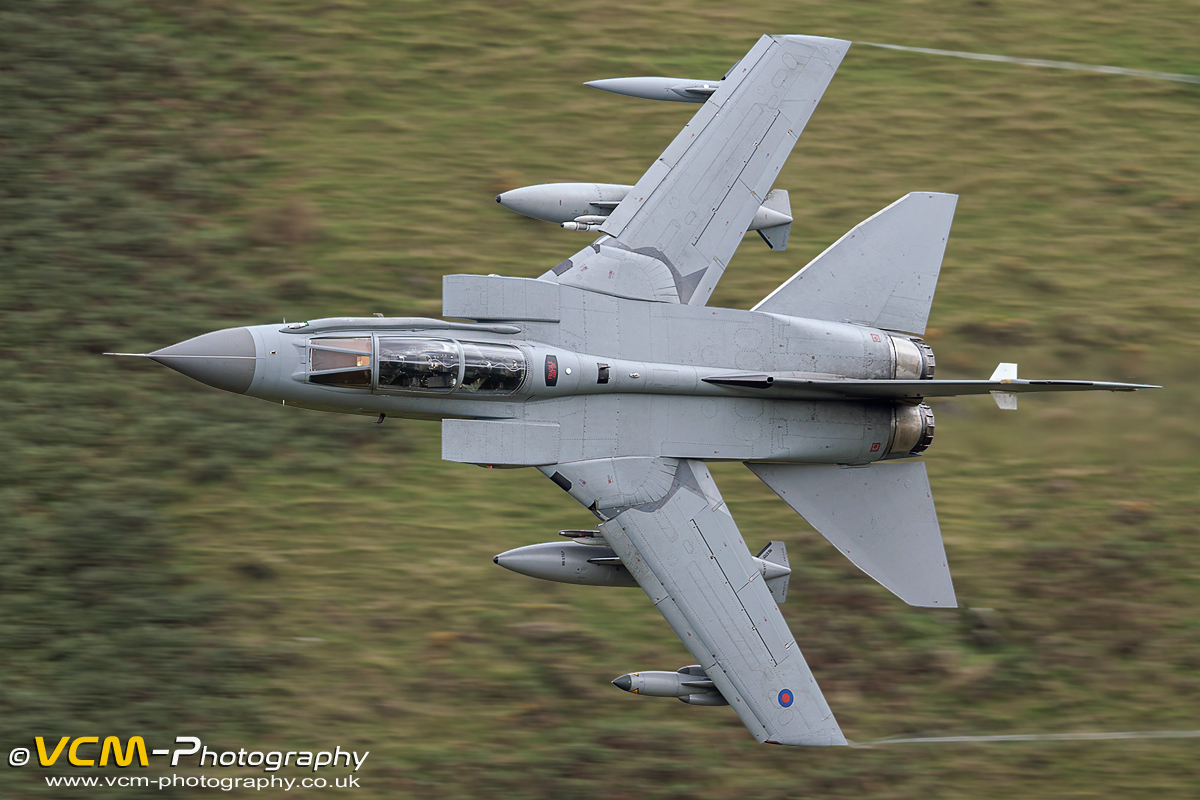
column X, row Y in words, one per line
column 681, row 223
column 685, row 551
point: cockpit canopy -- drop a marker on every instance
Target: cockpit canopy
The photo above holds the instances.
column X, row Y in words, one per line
column 416, row 364
column 340, row 362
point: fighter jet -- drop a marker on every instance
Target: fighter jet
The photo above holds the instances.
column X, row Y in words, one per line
column 611, row 376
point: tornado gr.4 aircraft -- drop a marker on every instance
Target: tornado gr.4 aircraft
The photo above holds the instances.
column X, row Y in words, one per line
column 611, row 376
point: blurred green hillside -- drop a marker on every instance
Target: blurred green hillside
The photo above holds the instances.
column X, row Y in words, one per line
column 179, row 561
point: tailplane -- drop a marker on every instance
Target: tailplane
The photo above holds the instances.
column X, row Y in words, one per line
column 880, row 517
column 882, row 273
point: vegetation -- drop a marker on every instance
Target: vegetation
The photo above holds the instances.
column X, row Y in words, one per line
column 175, row 561
column 116, row 175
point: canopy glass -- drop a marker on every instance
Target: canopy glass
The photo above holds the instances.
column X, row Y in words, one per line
column 416, row 364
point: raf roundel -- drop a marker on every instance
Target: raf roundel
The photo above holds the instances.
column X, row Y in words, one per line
column 786, row 697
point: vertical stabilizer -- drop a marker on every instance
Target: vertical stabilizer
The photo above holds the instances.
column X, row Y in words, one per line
column 1005, row 373
column 882, row 273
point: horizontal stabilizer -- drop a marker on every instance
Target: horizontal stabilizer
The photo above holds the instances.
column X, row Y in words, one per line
column 800, row 388
column 882, row 273
column 880, row 517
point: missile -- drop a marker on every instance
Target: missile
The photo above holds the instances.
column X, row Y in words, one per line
column 596, row 536
column 690, row 684
column 675, row 90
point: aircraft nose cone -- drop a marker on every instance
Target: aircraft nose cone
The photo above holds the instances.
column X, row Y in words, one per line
column 224, row 359
column 538, row 202
column 625, row 683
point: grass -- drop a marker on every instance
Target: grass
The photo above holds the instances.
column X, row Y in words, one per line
column 359, row 564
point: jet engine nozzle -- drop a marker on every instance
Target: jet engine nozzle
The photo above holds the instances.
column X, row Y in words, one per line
column 912, row 358
column 912, row 430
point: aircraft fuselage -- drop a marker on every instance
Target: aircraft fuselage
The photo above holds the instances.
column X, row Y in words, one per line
column 507, row 372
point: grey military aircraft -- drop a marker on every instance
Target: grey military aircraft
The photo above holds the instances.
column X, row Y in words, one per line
column 611, row 376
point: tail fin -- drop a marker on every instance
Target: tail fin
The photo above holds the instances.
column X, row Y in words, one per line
column 882, row 273
column 880, row 517
column 1005, row 373
column 776, row 236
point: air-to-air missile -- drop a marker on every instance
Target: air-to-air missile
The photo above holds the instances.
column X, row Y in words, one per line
column 612, row 376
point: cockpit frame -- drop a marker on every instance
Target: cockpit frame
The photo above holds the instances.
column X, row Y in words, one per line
column 384, row 363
